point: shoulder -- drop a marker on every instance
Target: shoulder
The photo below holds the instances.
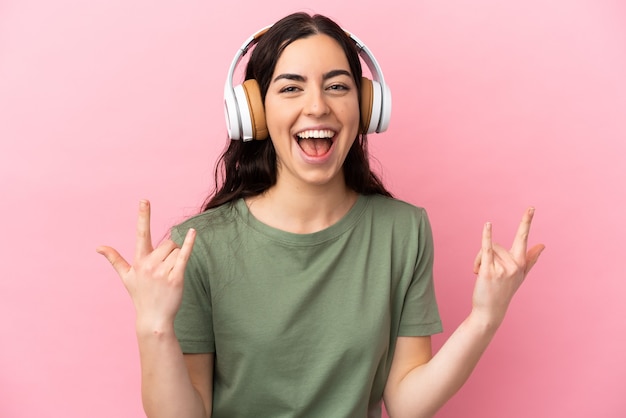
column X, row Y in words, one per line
column 207, row 222
column 403, row 221
column 395, row 209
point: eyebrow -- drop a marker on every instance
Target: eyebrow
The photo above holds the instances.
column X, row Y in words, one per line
column 298, row 77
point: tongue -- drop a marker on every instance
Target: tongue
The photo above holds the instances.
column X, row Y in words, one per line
column 315, row 147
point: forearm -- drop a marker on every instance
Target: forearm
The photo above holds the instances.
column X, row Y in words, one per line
column 425, row 389
column 166, row 387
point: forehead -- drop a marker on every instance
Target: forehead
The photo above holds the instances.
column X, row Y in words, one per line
column 314, row 53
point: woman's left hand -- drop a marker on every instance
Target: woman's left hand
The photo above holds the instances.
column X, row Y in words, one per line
column 501, row 272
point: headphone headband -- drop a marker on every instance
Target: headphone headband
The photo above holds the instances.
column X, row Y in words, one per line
column 245, row 117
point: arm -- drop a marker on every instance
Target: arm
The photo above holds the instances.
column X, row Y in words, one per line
column 172, row 384
column 418, row 385
column 200, row 368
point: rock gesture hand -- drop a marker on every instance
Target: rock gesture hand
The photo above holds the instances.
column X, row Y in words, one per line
column 501, row 272
column 155, row 279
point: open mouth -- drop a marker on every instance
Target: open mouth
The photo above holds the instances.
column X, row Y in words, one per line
column 315, row 142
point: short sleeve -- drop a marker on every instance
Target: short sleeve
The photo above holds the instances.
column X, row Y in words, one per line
column 193, row 323
column 420, row 313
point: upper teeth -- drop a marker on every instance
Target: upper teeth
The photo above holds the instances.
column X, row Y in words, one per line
column 316, row 133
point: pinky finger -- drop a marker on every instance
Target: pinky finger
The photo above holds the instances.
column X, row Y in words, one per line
column 479, row 256
column 184, row 253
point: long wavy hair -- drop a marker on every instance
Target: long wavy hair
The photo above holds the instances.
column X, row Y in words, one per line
column 249, row 169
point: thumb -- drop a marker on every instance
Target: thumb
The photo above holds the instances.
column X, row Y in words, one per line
column 120, row 265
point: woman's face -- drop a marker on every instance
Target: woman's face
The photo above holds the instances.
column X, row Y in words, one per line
column 312, row 111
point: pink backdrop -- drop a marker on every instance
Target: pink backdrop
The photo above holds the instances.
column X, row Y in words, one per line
column 497, row 105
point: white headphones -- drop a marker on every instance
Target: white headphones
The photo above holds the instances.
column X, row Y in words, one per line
column 245, row 113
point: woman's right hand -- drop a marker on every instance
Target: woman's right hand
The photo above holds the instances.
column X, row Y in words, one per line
column 155, row 279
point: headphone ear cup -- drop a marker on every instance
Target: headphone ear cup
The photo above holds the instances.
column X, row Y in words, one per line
column 256, row 110
column 250, row 112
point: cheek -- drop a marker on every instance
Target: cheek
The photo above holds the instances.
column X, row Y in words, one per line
column 277, row 117
column 352, row 116
column 353, row 109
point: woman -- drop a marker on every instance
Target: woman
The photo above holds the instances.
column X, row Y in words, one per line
column 307, row 288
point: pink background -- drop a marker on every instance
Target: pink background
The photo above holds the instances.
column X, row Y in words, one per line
column 497, row 105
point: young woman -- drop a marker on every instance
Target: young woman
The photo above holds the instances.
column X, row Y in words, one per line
column 307, row 288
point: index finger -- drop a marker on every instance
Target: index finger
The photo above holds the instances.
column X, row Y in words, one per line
column 520, row 243
column 143, row 245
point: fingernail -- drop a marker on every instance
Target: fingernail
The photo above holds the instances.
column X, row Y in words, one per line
column 531, row 211
column 143, row 204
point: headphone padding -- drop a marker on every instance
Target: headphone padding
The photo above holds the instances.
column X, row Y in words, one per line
column 376, row 107
column 256, row 109
column 366, row 104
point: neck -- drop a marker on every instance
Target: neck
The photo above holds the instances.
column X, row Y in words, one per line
column 302, row 210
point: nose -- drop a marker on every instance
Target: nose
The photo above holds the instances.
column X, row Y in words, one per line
column 316, row 104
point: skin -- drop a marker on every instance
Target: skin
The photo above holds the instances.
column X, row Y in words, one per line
column 310, row 89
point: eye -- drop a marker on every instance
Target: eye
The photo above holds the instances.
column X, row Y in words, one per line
column 338, row 87
column 289, row 89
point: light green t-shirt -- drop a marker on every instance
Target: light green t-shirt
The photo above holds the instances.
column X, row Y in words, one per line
column 304, row 325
